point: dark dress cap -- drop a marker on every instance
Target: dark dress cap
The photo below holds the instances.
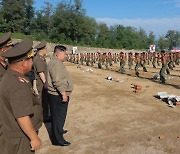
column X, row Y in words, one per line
column 5, row 39
column 20, row 51
column 41, row 45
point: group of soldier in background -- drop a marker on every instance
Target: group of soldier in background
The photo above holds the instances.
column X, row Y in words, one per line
column 166, row 60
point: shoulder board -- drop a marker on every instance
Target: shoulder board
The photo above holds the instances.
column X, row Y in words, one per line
column 21, row 79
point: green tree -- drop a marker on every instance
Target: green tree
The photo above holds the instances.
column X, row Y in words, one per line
column 13, row 14
column 70, row 24
column 163, row 43
column 173, row 38
column 102, row 39
column 41, row 24
column 16, row 15
column 143, row 39
column 29, row 14
column 151, row 38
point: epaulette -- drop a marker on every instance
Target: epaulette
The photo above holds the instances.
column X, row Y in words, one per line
column 21, row 79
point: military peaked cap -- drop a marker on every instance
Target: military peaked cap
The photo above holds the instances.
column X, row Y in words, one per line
column 41, row 45
column 20, row 51
column 5, row 40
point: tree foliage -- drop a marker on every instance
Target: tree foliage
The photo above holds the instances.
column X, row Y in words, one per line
column 68, row 23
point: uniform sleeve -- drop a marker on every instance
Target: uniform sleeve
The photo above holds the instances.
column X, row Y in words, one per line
column 58, row 77
column 21, row 101
column 39, row 65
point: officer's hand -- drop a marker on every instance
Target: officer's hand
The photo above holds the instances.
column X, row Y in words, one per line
column 35, row 144
column 64, row 96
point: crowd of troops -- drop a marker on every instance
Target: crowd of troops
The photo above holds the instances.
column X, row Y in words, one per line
column 164, row 59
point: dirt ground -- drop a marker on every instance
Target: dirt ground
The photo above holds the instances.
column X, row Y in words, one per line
column 109, row 118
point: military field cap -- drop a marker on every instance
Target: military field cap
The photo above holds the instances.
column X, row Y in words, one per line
column 41, row 45
column 20, row 51
column 5, row 40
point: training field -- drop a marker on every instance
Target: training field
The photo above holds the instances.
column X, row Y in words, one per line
column 109, row 118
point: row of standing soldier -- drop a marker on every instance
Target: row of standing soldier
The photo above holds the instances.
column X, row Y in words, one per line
column 168, row 60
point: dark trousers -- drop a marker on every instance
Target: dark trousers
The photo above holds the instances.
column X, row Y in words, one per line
column 58, row 110
column 44, row 100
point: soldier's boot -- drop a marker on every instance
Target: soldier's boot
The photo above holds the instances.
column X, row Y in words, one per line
column 144, row 69
column 137, row 74
column 99, row 65
column 162, row 79
column 167, row 71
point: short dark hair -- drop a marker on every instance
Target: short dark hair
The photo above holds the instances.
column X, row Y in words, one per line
column 60, row 48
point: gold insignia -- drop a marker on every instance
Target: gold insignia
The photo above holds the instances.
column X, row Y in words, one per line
column 30, row 54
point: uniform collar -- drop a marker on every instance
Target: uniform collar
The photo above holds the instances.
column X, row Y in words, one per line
column 14, row 73
column 42, row 57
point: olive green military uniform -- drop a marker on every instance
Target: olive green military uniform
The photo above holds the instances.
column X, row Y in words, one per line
column 122, row 64
column 82, row 58
column 143, row 62
column 18, row 100
column 2, row 72
column 92, row 60
column 4, row 41
column 130, row 61
column 170, row 63
column 100, row 61
column 177, row 59
column 138, row 64
column 77, row 59
column 162, row 73
column 40, row 65
column 137, row 68
column 88, row 59
column 107, row 62
column 154, row 62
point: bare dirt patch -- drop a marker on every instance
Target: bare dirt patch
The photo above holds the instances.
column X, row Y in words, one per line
column 108, row 117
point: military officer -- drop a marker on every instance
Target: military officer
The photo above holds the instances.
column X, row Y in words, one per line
column 20, row 111
column 40, row 69
column 5, row 44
